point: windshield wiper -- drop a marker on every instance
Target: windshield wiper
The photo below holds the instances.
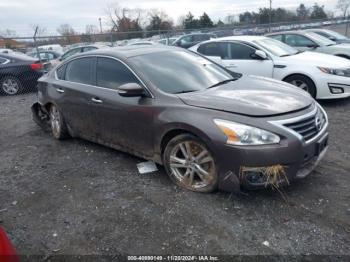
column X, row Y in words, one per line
column 223, row 82
column 185, row 91
column 287, row 55
column 292, row 54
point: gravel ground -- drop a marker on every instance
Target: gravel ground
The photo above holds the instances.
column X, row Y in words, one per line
column 78, row 198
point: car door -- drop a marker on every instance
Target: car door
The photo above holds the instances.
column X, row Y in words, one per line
column 240, row 57
column 121, row 121
column 71, row 93
column 300, row 42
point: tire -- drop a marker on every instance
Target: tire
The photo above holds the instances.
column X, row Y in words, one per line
column 10, row 85
column 302, row 82
column 58, row 126
column 190, row 164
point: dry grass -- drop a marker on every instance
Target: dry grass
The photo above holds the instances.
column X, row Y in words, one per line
column 273, row 175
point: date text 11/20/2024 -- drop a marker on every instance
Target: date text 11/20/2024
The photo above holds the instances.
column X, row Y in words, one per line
column 173, row 258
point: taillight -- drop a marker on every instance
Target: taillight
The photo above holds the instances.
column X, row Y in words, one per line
column 36, row 66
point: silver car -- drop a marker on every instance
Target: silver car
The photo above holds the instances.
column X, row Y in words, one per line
column 309, row 41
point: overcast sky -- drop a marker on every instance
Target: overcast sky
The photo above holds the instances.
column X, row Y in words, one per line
column 18, row 15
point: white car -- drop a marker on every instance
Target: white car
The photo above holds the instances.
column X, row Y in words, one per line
column 323, row 76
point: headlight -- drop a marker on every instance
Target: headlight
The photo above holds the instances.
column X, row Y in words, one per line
column 238, row 134
column 338, row 72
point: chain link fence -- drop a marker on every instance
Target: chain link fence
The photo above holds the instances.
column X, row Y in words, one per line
column 18, row 74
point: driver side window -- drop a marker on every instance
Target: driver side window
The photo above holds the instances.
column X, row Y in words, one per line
column 112, row 73
column 238, row 51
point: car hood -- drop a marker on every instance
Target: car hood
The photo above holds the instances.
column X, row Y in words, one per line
column 317, row 59
column 335, row 49
column 252, row 96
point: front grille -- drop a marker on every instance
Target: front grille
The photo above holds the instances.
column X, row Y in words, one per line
column 310, row 126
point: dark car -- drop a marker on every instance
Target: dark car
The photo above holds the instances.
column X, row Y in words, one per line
column 331, row 35
column 187, row 41
column 211, row 128
column 80, row 49
column 19, row 73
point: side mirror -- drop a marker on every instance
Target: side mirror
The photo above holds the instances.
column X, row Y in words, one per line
column 261, row 55
column 332, row 38
column 216, row 59
column 131, row 90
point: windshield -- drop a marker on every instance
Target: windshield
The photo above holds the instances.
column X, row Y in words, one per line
column 320, row 40
column 180, row 71
column 276, row 47
column 336, row 35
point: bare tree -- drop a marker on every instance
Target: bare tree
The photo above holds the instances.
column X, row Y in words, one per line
column 41, row 30
column 343, row 5
column 91, row 30
column 65, row 29
column 8, row 33
column 69, row 33
column 230, row 19
column 124, row 19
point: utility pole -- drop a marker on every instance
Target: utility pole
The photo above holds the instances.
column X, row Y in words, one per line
column 100, row 24
column 270, row 16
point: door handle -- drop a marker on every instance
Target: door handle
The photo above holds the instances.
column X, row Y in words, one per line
column 60, row 90
column 96, row 100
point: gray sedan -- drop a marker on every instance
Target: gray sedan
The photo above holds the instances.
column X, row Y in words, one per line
column 211, row 128
column 309, row 41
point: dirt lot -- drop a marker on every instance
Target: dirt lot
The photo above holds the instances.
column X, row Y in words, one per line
column 75, row 197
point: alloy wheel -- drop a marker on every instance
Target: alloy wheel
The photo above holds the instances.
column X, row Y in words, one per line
column 10, row 86
column 301, row 84
column 192, row 165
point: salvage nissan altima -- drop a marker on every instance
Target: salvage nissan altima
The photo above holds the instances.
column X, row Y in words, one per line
column 210, row 128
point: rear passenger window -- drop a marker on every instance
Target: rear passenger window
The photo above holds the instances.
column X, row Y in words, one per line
column 210, row 49
column 112, row 73
column 80, row 71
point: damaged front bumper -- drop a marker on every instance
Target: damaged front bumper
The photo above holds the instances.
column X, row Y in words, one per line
column 268, row 166
column 40, row 116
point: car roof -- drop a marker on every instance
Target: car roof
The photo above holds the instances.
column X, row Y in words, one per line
column 299, row 32
column 130, row 50
column 241, row 38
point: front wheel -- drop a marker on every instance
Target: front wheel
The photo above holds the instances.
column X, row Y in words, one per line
column 190, row 164
column 303, row 82
column 58, row 126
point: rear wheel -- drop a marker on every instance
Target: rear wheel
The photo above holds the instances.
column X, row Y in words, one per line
column 303, row 82
column 58, row 126
column 190, row 164
column 10, row 85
